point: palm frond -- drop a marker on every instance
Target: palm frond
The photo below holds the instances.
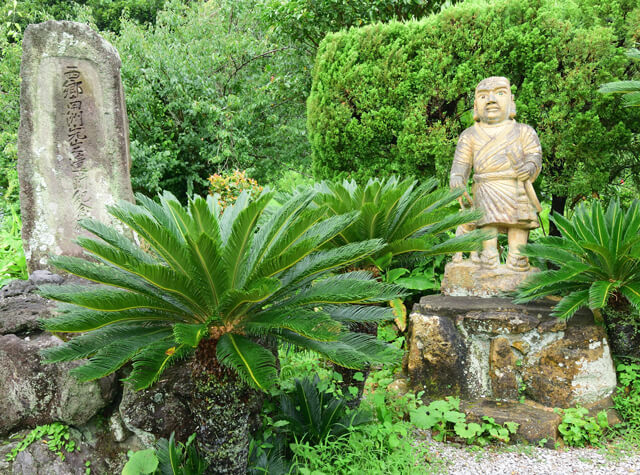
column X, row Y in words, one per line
column 570, row 304
column 254, row 363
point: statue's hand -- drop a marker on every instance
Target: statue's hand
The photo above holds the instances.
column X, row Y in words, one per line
column 456, row 182
column 525, row 171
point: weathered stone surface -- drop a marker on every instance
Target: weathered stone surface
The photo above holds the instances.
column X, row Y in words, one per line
column 157, row 411
column 73, row 144
column 32, row 393
column 536, row 422
column 490, row 348
column 19, row 315
column 437, row 355
column 502, row 369
column 500, row 322
column 577, row 369
column 468, row 279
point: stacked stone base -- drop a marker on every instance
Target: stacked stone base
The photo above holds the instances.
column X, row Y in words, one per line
column 507, row 361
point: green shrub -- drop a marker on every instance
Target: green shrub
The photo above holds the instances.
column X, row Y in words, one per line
column 55, row 435
column 393, row 98
column 627, row 397
column 229, row 185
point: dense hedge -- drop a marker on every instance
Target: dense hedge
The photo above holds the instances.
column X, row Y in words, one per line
column 393, row 98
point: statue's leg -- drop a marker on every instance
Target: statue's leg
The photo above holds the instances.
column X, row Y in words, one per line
column 517, row 237
column 490, row 257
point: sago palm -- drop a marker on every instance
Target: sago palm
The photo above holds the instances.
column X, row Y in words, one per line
column 411, row 218
column 597, row 260
column 224, row 282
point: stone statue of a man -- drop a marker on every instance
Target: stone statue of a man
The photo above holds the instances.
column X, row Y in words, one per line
column 505, row 157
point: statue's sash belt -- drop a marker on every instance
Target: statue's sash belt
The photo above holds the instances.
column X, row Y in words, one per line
column 493, row 176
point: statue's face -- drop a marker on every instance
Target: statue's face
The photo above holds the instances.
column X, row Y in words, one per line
column 493, row 100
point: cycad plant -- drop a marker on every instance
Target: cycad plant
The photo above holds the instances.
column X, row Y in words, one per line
column 223, row 285
column 596, row 264
column 412, row 218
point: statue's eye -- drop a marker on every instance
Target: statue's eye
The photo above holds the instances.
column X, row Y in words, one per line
column 483, row 96
column 501, row 93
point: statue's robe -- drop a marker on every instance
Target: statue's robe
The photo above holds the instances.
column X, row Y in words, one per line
column 493, row 153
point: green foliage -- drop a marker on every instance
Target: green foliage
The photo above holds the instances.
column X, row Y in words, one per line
column 629, row 89
column 306, row 22
column 627, row 397
column 314, row 415
column 167, row 458
column 229, row 185
column 446, row 420
column 208, row 87
column 597, row 260
column 55, row 435
column 225, row 276
column 413, row 220
column 13, row 264
column 393, row 98
column 577, row 429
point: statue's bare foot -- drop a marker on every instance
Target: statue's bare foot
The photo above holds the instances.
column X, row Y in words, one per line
column 517, row 263
column 489, row 259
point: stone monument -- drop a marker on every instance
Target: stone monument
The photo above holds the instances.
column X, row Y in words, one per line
column 73, row 140
column 506, row 361
column 505, row 157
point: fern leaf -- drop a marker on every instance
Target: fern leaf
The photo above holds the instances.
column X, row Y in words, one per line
column 570, row 304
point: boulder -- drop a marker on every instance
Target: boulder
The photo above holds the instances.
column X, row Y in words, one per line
column 20, row 314
column 32, row 393
column 161, row 409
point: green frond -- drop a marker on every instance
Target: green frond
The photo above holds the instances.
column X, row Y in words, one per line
column 570, row 304
column 557, row 255
column 324, row 261
column 555, row 289
column 113, row 356
column 236, row 248
column 632, row 292
column 599, row 293
column 189, row 334
column 83, row 320
column 540, row 280
column 359, row 313
column 352, row 350
column 204, row 218
column 235, row 300
column 110, row 236
column 210, row 269
column 343, row 291
column 255, row 364
column 620, row 87
column 105, row 299
column 90, row 343
column 151, row 361
column 565, row 227
column 312, row 324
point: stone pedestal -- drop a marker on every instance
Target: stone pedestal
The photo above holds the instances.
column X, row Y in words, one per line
column 491, row 348
column 468, row 279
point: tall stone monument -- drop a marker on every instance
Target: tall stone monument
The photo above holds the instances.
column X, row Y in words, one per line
column 73, row 140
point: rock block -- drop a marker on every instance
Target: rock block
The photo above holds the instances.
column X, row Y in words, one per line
column 32, row 393
column 536, row 422
column 491, row 348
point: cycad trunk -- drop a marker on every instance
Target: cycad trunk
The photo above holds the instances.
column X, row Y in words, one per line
column 226, row 411
column 623, row 327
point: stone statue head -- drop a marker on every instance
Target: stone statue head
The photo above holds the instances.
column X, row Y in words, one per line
column 494, row 103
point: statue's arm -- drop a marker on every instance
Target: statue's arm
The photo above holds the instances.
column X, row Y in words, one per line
column 462, row 162
column 532, row 152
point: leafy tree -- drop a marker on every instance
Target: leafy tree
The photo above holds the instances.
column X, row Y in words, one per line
column 204, row 89
column 220, row 287
column 393, row 99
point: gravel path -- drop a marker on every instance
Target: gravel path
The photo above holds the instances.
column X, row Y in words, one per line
column 529, row 460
